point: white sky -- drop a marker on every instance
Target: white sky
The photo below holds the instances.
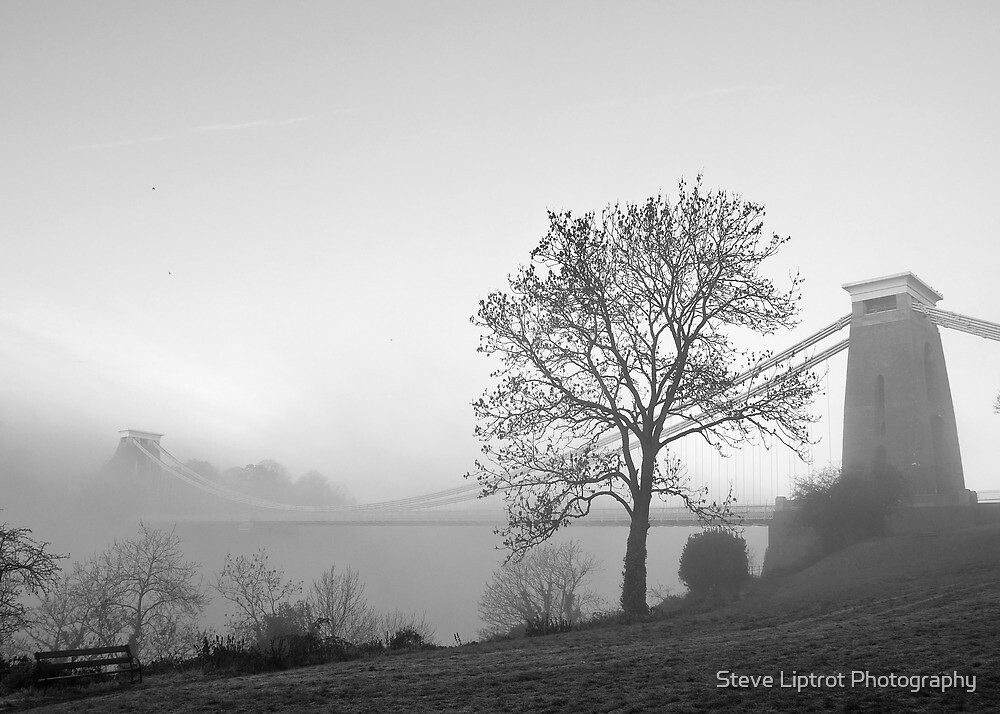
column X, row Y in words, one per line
column 338, row 184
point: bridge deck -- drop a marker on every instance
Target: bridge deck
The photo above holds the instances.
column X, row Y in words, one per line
column 659, row 517
column 663, row 516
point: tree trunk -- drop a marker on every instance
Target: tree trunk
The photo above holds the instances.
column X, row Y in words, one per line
column 136, row 637
column 634, row 577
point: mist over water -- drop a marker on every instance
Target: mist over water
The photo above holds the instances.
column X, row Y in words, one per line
column 438, row 572
column 434, row 571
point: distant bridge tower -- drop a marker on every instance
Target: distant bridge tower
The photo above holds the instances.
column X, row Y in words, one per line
column 128, row 462
column 897, row 409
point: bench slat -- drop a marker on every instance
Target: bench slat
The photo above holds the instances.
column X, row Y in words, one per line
column 81, row 663
column 84, row 652
column 62, row 677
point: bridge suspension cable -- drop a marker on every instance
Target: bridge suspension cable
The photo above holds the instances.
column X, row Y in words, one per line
column 178, row 470
column 777, row 359
column 832, row 328
column 962, row 323
column 763, row 387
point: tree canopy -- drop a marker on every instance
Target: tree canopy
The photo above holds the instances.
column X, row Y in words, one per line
column 619, row 328
column 27, row 567
column 271, row 480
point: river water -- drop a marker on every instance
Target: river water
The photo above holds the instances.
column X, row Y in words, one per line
column 438, row 572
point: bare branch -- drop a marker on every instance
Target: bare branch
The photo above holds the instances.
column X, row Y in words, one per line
column 27, row 567
column 257, row 590
column 545, row 585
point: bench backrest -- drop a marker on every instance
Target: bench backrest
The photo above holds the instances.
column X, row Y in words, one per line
column 86, row 652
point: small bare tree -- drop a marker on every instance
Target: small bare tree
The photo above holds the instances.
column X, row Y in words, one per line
column 155, row 589
column 258, row 591
column 59, row 622
column 546, row 584
column 93, row 588
column 140, row 590
column 337, row 602
column 397, row 622
column 27, row 567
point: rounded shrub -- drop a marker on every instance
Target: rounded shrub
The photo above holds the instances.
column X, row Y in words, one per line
column 406, row 638
column 714, row 561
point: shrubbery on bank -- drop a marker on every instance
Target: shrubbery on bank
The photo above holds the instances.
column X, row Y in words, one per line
column 844, row 507
column 232, row 655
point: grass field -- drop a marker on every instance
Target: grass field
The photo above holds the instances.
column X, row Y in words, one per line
column 904, row 606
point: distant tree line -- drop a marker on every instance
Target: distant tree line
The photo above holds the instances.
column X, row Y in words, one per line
column 270, row 480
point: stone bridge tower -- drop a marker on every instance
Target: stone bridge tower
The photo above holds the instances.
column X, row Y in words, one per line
column 897, row 408
column 129, row 463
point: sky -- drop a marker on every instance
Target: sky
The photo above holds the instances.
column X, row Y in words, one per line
column 261, row 228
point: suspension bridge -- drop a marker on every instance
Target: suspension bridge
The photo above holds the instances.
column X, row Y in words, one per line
column 898, row 412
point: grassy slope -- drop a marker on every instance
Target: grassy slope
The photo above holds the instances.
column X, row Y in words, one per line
column 909, row 605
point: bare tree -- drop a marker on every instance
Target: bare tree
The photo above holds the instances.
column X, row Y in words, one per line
column 27, row 567
column 545, row 584
column 154, row 588
column 59, row 622
column 93, row 590
column 338, row 602
column 257, row 590
column 140, row 590
column 617, row 326
column 395, row 622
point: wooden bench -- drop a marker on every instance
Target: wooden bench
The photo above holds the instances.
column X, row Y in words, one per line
column 91, row 662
